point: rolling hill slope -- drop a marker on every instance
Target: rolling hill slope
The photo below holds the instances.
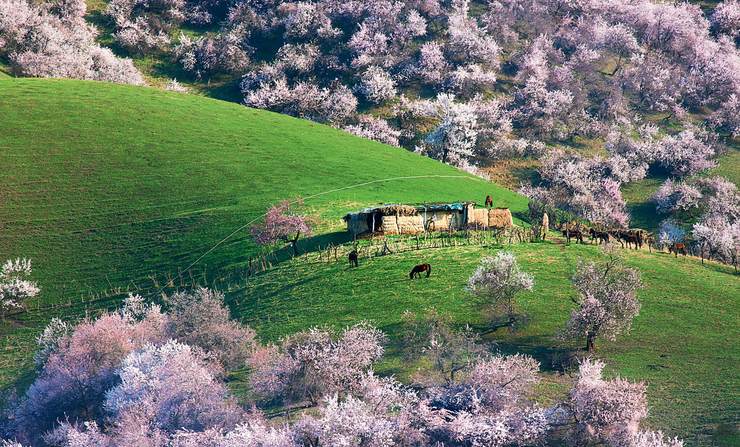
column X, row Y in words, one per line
column 106, row 186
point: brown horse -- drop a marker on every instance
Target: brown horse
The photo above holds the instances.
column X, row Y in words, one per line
column 416, row 271
column 629, row 237
column 677, row 247
column 352, row 256
column 489, row 202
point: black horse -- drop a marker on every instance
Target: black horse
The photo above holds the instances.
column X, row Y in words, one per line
column 601, row 236
column 352, row 256
column 630, row 238
column 416, row 271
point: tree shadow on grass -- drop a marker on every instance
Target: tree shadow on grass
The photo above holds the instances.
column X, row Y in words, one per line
column 310, row 245
column 551, row 358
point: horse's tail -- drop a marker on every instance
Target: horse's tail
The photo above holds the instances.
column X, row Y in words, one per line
column 411, row 274
column 429, row 270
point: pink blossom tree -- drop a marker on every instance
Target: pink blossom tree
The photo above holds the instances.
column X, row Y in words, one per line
column 606, row 303
column 584, row 187
column 431, row 65
column 497, row 281
column 726, row 18
column 490, row 406
column 77, row 374
column 673, row 197
column 376, row 85
column 453, row 141
column 206, row 56
column 200, row 319
column 168, row 388
column 281, row 225
column 376, row 129
column 312, row 364
column 718, row 238
column 606, row 410
column 686, row 153
column 40, row 43
column 143, row 26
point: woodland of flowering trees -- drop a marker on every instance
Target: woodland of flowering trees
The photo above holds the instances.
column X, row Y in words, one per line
column 53, row 40
column 714, row 203
column 156, row 375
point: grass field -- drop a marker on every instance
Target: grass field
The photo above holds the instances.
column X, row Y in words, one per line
column 683, row 343
column 140, row 181
column 108, row 186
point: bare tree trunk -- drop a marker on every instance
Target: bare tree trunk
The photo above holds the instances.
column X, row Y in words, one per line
column 590, row 345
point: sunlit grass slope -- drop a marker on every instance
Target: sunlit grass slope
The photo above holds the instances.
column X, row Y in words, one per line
column 106, row 184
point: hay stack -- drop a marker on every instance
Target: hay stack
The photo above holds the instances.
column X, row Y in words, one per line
column 410, row 224
column 390, row 225
column 500, row 218
column 478, row 218
column 438, row 220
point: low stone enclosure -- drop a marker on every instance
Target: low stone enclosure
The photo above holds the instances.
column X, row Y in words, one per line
column 416, row 219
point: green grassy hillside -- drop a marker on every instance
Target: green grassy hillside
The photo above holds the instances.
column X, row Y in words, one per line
column 683, row 343
column 108, row 186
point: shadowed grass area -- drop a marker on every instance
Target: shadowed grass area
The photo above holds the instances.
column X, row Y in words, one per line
column 683, row 343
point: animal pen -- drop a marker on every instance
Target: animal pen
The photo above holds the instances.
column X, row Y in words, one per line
column 416, row 219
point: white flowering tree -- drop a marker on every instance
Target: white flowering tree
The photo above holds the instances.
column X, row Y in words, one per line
column 669, row 233
column 15, row 288
column 454, row 139
column 376, row 85
column 497, row 281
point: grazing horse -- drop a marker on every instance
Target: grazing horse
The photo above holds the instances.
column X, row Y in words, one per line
column 602, row 236
column 569, row 233
column 352, row 256
column 676, row 248
column 489, row 202
column 416, row 271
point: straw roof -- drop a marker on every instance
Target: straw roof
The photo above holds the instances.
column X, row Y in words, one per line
column 409, row 210
column 397, row 210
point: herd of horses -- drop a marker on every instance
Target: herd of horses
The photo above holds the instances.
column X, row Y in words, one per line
column 631, row 237
column 415, row 272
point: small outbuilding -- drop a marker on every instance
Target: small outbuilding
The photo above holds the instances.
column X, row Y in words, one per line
column 415, row 219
